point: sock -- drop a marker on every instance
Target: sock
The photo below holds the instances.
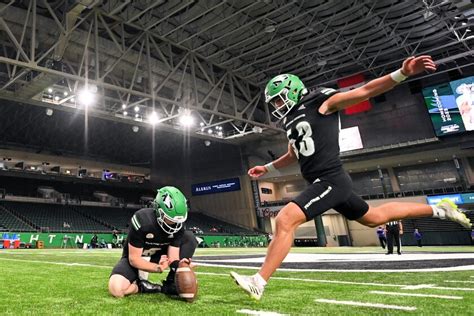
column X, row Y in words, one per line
column 438, row 212
column 260, row 281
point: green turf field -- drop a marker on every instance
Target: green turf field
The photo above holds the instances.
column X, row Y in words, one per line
column 74, row 282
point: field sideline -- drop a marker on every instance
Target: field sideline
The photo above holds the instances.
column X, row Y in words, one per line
column 74, row 282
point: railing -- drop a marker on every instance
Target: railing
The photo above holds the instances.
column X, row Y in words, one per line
column 408, row 193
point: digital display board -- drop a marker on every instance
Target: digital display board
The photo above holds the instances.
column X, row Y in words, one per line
column 450, row 106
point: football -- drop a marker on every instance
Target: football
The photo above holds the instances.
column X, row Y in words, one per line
column 186, row 282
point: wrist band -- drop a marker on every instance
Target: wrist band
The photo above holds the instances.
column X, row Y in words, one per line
column 270, row 167
column 398, row 76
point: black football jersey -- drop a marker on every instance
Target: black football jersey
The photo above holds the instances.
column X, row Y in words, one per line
column 314, row 136
column 147, row 234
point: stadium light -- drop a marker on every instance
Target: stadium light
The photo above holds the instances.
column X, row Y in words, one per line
column 124, row 106
column 50, row 90
column 186, row 119
column 137, row 109
column 125, row 113
column 86, row 97
column 153, row 118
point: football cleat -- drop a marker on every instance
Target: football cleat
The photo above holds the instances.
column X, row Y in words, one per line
column 169, row 288
column 248, row 284
column 145, row 286
column 453, row 214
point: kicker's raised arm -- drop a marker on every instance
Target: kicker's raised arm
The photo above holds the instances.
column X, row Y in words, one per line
column 411, row 66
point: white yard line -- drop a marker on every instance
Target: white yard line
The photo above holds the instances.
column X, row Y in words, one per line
column 418, row 287
column 315, row 280
column 402, row 286
column 258, row 313
column 458, row 281
column 417, row 295
column 363, row 304
column 452, row 288
column 72, row 264
column 446, row 269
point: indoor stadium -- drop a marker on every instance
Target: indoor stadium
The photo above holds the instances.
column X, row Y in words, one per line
column 236, row 157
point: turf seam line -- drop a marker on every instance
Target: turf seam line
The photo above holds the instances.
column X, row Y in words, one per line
column 259, row 313
column 448, row 297
column 364, row 304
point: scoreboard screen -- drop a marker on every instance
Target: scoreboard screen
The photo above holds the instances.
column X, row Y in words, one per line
column 450, row 106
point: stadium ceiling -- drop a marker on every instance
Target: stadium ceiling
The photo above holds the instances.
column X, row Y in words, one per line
column 211, row 58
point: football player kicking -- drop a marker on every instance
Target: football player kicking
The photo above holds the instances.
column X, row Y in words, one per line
column 311, row 121
column 156, row 241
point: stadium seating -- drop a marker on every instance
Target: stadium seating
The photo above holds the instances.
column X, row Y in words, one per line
column 436, row 232
column 369, row 183
column 15, row 216
column 428, row 176
column 434, row 224
column 113, row 217
column 210, row 225
column 54, row 217
column 75, row 188
column 8, row 221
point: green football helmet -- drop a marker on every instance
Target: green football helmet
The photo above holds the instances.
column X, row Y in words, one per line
column 171, row 204
column 283, row 92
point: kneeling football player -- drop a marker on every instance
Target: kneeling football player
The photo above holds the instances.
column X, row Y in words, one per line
column 156, row 241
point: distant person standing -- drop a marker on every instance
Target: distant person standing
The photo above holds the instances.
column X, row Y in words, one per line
column 94, row 241
column 394, row 229
column 381, row 235
column 418, row 236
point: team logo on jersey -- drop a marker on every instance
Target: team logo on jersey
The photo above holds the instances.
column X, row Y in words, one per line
column 168, row 201
column 150, row 236
column 170, row 235
column 302, row 108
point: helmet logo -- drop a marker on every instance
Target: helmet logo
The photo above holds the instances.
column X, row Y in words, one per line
column 168, row 201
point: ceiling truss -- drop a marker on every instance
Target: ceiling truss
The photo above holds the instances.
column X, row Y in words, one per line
column 211, row 58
